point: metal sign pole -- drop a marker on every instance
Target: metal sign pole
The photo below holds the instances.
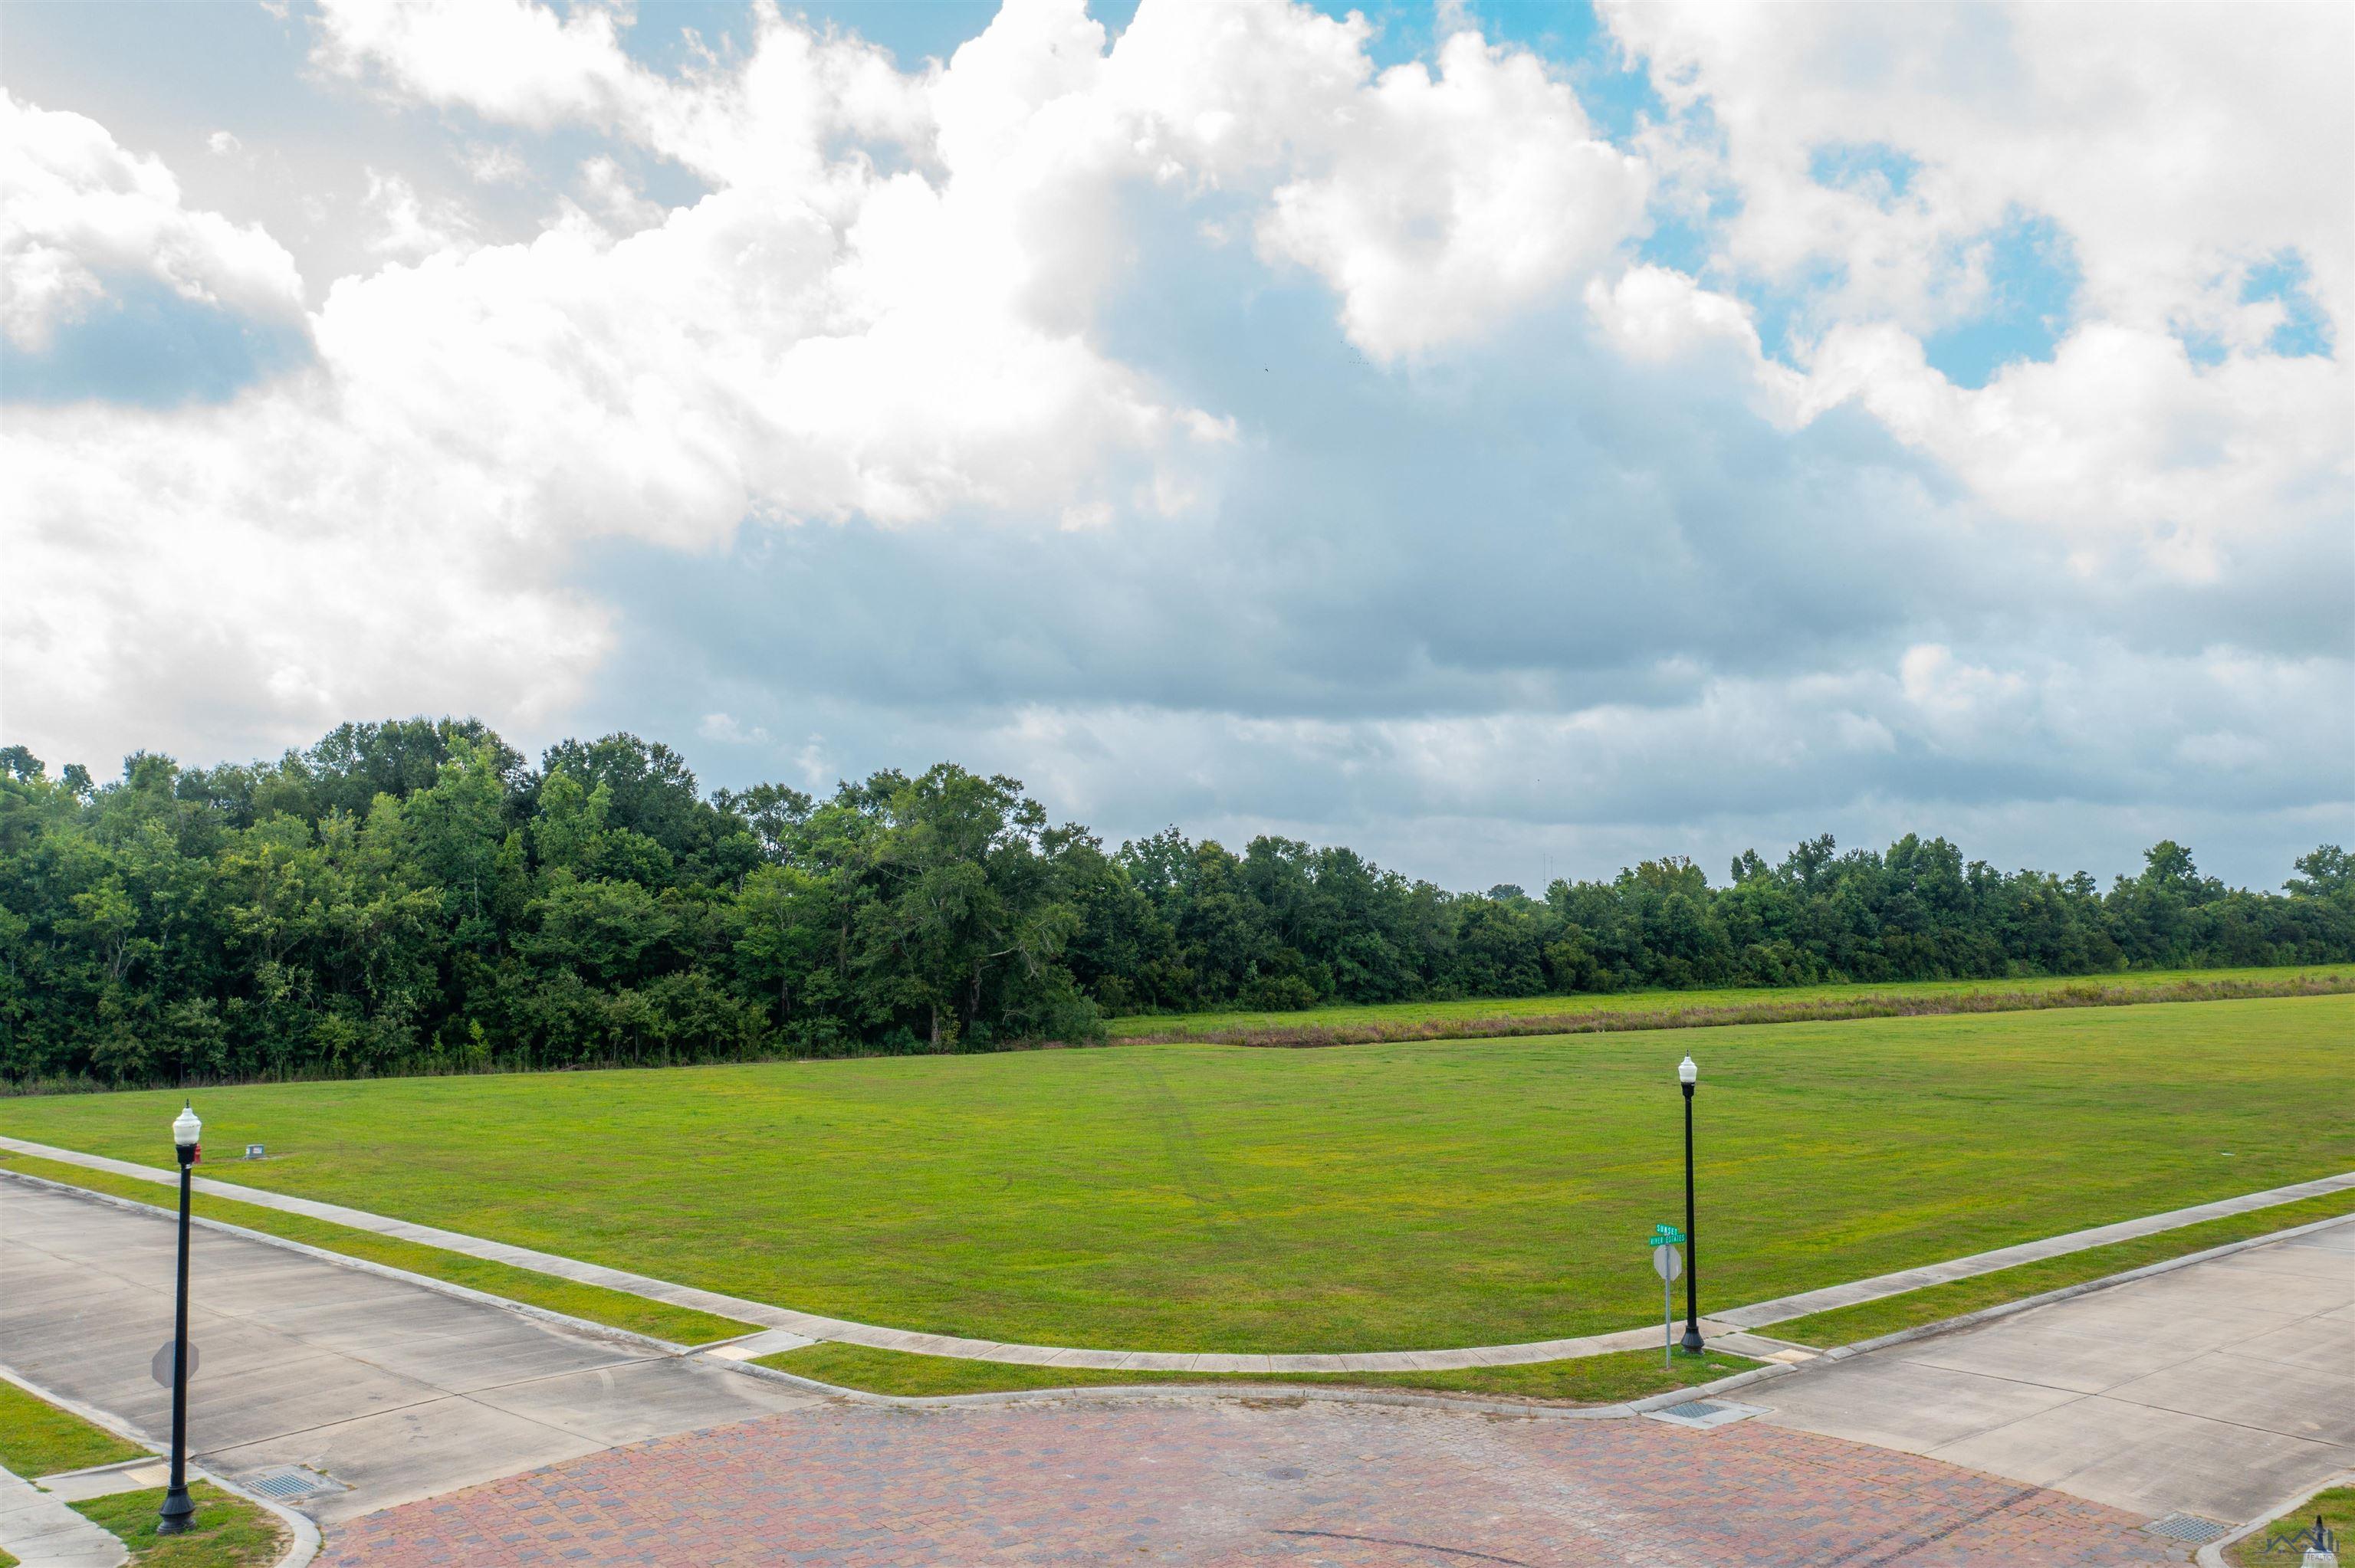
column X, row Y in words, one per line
column 1667, row 1263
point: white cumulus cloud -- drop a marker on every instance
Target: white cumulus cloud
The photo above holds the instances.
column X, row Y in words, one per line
column 1442, row 205
column 77, row 212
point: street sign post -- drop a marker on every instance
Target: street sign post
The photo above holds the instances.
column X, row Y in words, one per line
column 160, row 1369
column 1668, row 1264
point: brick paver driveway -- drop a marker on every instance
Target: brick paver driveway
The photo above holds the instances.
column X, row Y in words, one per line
column 1226, row 1483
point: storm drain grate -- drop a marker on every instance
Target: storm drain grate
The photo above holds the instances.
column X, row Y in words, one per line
column 292, row 1483
column 1693, row 1409
column 2187, row 1528
column 1706, row 1415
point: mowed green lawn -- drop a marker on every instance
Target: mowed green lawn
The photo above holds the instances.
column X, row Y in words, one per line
column 1396, row 1196
column 1181, row 1026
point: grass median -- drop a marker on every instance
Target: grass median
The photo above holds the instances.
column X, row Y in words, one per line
column 226, row 1530
column 614, row 1308
column 36, row 1438
column 1937, row 1303
column 1375, row 1197
column 1588, row 1379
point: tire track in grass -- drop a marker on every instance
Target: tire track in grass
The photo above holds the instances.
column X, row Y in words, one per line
column 1181, row 1144
column 1196, row 1174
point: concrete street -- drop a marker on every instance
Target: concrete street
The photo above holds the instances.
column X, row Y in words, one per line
column 2215, row 1389
column 396, row 1389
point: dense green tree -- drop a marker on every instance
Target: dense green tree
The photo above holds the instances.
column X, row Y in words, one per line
column 410, row 897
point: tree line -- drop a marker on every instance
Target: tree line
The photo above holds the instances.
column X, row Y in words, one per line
column 416, row 896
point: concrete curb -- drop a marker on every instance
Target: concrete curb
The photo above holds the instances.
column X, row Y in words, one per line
column 88, row 1469
column 307, row 1538
column 1272, row 1393
column 2212, row 1555
column 303, row 1538
column 2083, row 1288
column 626, row 1338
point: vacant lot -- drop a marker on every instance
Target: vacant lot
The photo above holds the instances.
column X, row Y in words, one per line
column 1197, row 1197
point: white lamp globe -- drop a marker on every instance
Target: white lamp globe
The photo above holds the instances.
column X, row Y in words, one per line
column 185, row 1127
column 1686, row 1073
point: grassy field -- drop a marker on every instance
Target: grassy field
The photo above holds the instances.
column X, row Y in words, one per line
column 1379, row 1197
column 1590, row 1380
column 1687, row 1009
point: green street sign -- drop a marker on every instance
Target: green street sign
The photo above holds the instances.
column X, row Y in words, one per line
column 1664, row 1236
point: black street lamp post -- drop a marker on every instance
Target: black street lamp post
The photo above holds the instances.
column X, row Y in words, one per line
column 173, row 1518
column 1689, row 1076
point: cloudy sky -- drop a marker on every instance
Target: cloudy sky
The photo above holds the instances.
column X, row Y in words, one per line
column 1510, row 440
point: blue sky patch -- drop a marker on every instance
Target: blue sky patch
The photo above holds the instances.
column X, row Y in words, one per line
column 2305, row 329
column 1781, row 312
column 1676, row 241
column 2205, row 349
column 1569, row 38
column 913, row 30
column 2032, row 281
column 1681, row 237
column 144, row 345
column 1878, row 172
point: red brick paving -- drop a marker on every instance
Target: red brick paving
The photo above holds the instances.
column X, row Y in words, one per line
column 1230, row 1484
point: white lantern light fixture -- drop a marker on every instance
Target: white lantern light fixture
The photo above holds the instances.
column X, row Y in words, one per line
column 185, row 1127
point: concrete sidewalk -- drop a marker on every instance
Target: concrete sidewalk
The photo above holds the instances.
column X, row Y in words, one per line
column 395, row 1389
column 40, row 1531
column 2214, row 1389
